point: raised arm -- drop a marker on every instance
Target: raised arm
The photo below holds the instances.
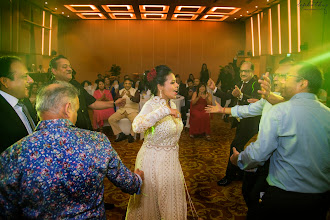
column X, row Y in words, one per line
column 148, row 117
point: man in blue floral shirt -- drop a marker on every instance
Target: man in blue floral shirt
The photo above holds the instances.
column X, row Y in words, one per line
column 58, row 171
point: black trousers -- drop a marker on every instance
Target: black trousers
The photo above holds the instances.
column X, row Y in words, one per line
column 245, row 130
column 281, row 204
column 253, row 184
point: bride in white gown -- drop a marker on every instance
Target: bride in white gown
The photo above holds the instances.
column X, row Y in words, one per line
column 163, row 193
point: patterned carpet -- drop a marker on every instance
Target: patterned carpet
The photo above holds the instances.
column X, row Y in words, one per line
column 203, row 163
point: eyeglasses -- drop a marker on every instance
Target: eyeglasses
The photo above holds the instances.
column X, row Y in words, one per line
column 285, row 76
column 245, row 71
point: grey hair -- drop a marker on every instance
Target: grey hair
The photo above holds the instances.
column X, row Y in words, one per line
column 51, row 98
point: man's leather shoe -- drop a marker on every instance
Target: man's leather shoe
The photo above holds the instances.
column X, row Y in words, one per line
column 224, row 181
column 130, row 139
column 121, row 137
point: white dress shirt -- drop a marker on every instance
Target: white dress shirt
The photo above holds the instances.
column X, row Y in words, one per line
column 13, row 102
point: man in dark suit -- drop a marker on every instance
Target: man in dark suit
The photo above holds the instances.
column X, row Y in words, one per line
column 15, row 120
column 246, row 128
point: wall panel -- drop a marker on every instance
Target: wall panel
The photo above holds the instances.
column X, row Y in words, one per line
column 138, row 45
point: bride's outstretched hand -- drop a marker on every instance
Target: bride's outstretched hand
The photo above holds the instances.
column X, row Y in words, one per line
column 175, row 113
column 214, row 108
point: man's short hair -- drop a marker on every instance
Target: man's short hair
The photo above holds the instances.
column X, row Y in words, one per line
column 190, row 80
column 5, row 64
column 53, row 62
column 312, row 74
column 177, row 76
column 128, row 79
column 251, row 64
column 51, row 98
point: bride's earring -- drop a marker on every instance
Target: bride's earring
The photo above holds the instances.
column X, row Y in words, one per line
column 160, row 94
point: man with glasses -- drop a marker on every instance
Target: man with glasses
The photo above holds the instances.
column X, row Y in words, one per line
column 295, row 136
column 255, row 183
column 16, row 120
column 246, row 127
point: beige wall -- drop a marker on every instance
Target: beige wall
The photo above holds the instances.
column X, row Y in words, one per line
column 93, row 46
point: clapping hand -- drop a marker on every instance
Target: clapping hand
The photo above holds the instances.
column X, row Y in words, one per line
column 214, row 108
column 211, row 84
column 252, row 100
column 236, row 92
column 265, row 86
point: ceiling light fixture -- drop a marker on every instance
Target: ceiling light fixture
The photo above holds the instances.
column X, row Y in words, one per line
column 189, row 9
column 184, row 16
column 122, row 16
column 118, row 8
column 82, row 8
column 154, row 8
column 153, row 16
column 91, row 15
column 223, row 10
column 214, row 18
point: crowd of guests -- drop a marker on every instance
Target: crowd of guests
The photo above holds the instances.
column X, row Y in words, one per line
column 285, row 171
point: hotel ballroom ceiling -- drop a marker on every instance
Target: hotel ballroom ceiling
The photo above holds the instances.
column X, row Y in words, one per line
column 209, row 10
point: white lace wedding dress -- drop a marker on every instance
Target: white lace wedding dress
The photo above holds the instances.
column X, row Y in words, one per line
column 163, row 192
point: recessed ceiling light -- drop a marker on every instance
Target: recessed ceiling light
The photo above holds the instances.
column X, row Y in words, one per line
column 235, row 18
column 154, row 8
column 247, row 12
column 91, row 15
column 189, row 9
column 82, row 8
column 256, row 6
column 55, row 8
column 46, row 3
column 68, row 16
column 118, row 8
column 223, row 10
column 62, row 12
column 241, row 15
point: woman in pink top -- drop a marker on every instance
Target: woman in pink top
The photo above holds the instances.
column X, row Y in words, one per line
column 99, row 116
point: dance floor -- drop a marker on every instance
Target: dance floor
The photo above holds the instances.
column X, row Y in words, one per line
column 203, row 163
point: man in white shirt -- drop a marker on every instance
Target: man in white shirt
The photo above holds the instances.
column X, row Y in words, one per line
column 15, row 120
column 129, row 109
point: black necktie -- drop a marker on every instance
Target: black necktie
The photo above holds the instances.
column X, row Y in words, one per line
column 27, row 114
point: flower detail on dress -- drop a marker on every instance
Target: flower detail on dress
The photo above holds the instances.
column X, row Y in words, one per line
column 151, row 75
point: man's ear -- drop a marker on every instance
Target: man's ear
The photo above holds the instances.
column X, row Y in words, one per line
column 304, row 84
column 67, row 110
column 4, row 82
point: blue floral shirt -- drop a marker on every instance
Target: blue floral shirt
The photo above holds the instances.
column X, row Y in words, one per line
column 58, row 172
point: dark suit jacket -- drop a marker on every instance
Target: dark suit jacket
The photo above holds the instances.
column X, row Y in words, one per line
column 250, row 90
column 12, row 128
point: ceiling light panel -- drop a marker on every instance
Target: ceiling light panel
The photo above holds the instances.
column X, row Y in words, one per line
column 184, row 16
column 214, row 18
column 189, row 9
column 82, row 8
column 153, row 16
column 91, row 15
column 223, row 10
column 118, row 8
column 154, row 8
column 122, row 16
